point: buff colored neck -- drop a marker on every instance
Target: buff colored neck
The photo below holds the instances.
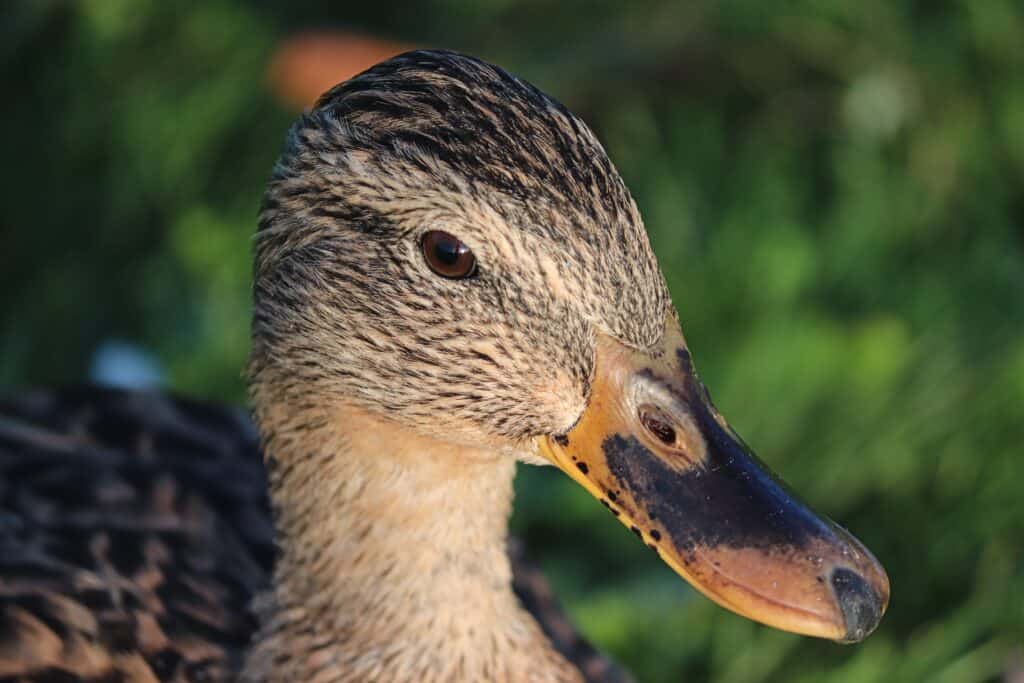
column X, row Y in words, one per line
column 393, row 563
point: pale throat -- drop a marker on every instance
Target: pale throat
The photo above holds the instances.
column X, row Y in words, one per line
column 393, row 555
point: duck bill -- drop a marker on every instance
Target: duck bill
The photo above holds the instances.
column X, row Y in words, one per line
column 655, row 451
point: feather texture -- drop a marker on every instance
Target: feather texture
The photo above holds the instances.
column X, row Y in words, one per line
column 135, row 531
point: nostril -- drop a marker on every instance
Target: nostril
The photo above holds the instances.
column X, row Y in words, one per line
column 860, row 605
column 653, row 421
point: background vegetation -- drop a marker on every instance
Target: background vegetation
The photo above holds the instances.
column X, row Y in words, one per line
column 835, row 191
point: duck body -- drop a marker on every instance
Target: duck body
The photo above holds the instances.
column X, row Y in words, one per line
column 135, row 533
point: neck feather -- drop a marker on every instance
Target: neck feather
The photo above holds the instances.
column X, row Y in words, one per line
column 393, row 559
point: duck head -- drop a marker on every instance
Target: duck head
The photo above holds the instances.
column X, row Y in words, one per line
column 445, row 246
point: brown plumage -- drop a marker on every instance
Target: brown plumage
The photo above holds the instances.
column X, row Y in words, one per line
column 135, row 531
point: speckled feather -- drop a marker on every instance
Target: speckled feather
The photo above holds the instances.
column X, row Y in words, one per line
column 133, row 534
column 435, row 140
column 135, row 531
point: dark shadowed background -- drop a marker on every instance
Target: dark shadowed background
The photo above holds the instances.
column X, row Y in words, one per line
column 835, row 192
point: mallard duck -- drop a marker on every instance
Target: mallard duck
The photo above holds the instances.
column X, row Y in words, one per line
column 450, row 278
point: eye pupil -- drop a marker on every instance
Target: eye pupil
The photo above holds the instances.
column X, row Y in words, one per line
column 447, row 255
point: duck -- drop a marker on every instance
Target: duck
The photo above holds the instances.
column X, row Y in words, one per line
column 450, row 278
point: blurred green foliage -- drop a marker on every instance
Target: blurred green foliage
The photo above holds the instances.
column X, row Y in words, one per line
column 835, row 191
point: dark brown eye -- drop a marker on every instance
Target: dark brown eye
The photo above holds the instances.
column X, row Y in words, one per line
column 447, row 256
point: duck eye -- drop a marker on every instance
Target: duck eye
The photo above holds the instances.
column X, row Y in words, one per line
column 447, row 256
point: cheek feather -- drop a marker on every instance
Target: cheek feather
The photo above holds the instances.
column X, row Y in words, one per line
column 562, row 398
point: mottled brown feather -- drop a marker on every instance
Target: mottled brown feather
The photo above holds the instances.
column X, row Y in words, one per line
column 134, row 532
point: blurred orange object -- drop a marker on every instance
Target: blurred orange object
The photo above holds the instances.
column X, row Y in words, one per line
column 309, row 63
